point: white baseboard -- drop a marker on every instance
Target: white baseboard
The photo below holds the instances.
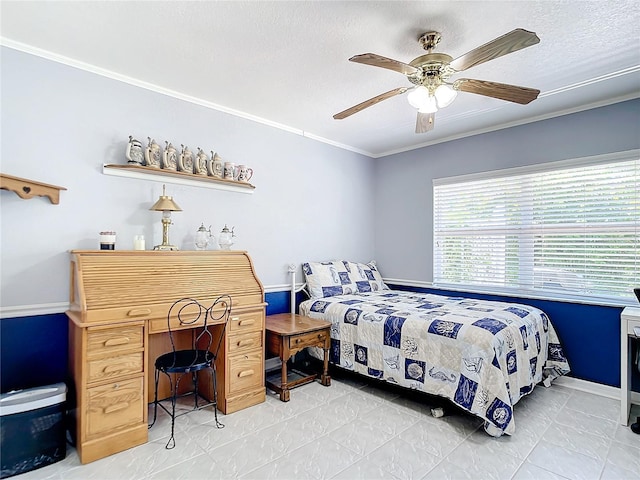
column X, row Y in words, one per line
column 595, row 388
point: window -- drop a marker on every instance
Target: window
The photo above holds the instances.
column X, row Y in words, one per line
column 567, row 229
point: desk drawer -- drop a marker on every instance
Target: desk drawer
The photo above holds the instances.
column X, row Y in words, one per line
column 115, row 405
column 107, row 341
column 246, row 371
column 246, row 322
column 244, row 342
column 311, row 339
column 114, row 367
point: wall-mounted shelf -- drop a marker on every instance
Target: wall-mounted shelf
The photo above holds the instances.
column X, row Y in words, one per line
column 28, row 188
column 180, row 178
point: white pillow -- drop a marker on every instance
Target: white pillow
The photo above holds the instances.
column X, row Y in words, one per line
column 326, row 279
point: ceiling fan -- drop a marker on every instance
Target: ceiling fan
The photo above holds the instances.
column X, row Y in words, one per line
column 430, row 72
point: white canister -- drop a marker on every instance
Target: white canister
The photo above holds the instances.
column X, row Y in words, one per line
column 138, row 242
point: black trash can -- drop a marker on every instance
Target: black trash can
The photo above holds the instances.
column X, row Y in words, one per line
column 32, row 428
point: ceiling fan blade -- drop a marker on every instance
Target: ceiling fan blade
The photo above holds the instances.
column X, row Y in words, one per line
column 508, row 43
column 384, row 62
column 370, row 102
column 510, row 93
column 425, row 122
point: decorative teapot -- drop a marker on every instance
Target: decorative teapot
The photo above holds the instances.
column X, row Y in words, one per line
column 225, row 239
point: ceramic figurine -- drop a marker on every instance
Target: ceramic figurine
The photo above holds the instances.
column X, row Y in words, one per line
column 215, row 166
column 201, row 162
column 170, row 157
column 152, row 154
column 134, row 152
column 185, row 161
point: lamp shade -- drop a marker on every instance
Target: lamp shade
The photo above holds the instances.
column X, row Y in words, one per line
column 445, row 95
column 418, row 96
column 165, row 203
column 429, row 106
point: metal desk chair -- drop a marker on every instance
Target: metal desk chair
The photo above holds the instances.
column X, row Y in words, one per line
column 177, row 363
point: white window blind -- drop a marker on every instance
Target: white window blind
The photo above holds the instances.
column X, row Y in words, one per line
column 570, row 229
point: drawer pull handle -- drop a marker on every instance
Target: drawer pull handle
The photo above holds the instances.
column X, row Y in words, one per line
column 320, row 337
column 111, row 369
column 138, row 312
column 297, row 341
column 117, row 407
column 246, row 322
column 112, row 342
column 245, row 373
column 244, row 343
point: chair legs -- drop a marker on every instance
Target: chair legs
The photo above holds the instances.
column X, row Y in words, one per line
column 171, row 443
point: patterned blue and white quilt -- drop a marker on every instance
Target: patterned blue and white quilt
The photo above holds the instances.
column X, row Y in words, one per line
column 482, row 355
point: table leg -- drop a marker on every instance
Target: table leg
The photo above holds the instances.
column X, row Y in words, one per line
column 284, row 394
column 325, row 379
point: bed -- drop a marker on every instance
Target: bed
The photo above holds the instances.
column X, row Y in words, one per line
column 482, row 355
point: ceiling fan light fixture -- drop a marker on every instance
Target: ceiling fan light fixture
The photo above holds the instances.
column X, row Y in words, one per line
column 445, row 95
column 418, row 96
column 429, row 106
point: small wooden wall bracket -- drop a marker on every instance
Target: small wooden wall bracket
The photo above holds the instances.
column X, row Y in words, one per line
column 28, row 188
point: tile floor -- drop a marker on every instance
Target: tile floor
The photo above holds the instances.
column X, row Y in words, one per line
column 357, row 430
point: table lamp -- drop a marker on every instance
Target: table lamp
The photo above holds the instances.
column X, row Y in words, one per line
column 166, row 205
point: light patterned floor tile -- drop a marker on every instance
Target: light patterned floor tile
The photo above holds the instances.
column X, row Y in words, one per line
column 595, row 446
column 361, row 437
column 325, row 458
column 353, row 430
column 565, row 462
column 438, row 439
column 403, row 460
column 529, row 471
column 484, row 460
column 587, row 423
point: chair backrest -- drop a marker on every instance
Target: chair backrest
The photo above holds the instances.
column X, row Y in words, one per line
column 190, row 313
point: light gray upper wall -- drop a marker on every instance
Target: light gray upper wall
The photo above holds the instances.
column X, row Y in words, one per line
column 60, row 125
column 404, row 193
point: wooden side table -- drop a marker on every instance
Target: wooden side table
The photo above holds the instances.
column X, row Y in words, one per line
column 286, row 335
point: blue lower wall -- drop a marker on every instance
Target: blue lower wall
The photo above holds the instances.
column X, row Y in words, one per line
column 33, row 350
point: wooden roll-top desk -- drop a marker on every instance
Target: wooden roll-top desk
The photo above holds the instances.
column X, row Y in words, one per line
column 118, row 326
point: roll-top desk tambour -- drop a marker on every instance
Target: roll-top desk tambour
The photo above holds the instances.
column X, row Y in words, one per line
column 118, row 326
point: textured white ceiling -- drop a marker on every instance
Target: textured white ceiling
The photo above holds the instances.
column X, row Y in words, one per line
column 286, row 63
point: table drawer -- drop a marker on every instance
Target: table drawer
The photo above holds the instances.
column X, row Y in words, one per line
column 246, row 321
column 311, row 339
column 113, row 367
column 246, row 371
column 115, row 405
column 244, row 342
column 106, row 341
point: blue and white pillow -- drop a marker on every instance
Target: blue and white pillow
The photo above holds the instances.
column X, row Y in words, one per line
column 367, row 277
column 327, row 279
